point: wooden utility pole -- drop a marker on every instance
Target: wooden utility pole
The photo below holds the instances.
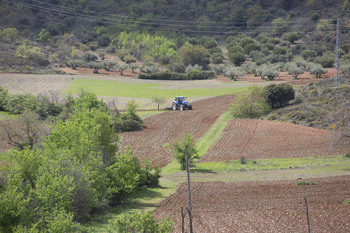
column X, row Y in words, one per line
column 337, row 78
column 189, row 191
column 307, row 215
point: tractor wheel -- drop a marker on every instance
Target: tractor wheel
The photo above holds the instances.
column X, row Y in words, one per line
column 190, row 107
column 174, row 107
column 181, row 107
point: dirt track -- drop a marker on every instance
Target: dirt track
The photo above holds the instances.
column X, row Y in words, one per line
column 265, row 206
column 155, row 142
column 257, row 139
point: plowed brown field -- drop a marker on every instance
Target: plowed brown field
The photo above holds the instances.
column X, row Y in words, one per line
column 262, row 206
column 257, row 139
column 162, row 130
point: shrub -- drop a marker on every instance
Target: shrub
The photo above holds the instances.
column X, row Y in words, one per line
column 149, row 68
column 195, row 67
column 89, row 57
column 178, row 68
column 278, row 95
column 326, row 60
column 308, row 54
column 217, row 58
column 141, row 222
column 252, row 104
column 129, row 59
column 192, row 75
column 237, row 58
column 180, row 147
column 218, row 68
column 4, row 96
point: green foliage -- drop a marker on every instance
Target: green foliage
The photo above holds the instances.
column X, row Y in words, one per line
column 141, row 222
column 236, row 58
column 74, row 64
column 308, row 54
column 217, row 58
column 178, row 68
column 233, row 72
column 278, row 95
column 159, row 100
column 280, row 25
column 121, row 67
column 252, row 104
column 156, row 46
column 62, row 222
column 4, row 96
column 180, row 147
column 149, row 68
column 13, row 209
column 129, row 59
column 27, row 51
column 295, row 70
column 326, row 60
column 316, row 69
column 190, row 54
column 291, row 37
column 44, row 36
column 89, row 57
column 267, row 70
column 9, row 34
column 96, row 66
column 192, row 75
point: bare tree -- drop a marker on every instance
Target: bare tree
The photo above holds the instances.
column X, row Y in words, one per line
column 25, row 131
column 158, row 100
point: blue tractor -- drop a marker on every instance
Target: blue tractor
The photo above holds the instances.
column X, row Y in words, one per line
column 180, row 103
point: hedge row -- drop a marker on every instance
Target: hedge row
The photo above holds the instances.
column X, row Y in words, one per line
column 192, row 75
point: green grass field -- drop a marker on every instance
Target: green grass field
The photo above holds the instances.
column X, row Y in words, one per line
column 143, row 90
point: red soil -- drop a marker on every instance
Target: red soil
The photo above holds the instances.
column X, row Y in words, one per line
column 257, row 139
column 262, row 206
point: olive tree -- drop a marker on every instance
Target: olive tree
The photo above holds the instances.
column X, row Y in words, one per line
column 158, row 100
column 233, row 72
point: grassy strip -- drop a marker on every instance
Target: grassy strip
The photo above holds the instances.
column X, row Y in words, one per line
column 8, row 115
column 266, row 164
column 146, row 114
column 213, row 134
column 143, row 90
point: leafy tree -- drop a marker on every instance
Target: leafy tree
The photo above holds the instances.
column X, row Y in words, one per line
column 291, row 37
column 195, row 67
column 190, row 54
column 249, row 68
column 158, row 100
column 178, row 67
column 217, row 58
column 180, row 147
column 317, row 70
column 236, row 58
column 295, row 70
column 280, row 26
column 252, row 104
column 4, row 96
column 278, row 95
column 121, row 67
column 308, row 54
column 107, row 65
column 74, row 64
column 267, row 70
column 218, row 68
column 44, row 36
column 89, row 57
column 133, row 67
column 96, row 66
column 233, row 72
column 346, row 7
column 326, row 60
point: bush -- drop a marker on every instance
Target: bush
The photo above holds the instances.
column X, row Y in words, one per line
column 278, row 95
column 187, row 143
column 4, row 96
column 217, row 58
column 326, row 60
column 236, row 58
column 308, row 54
column 149, row 68
column 141, row 222
column 251, row 105
column 178, row 68
column 195, row 67
column 129, row 59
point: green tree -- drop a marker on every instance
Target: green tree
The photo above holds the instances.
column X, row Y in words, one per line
column 158, row 100
column 233, row 72
column 180, row 147
column 44, row 36
column 4, row 95
column 190, row 54
column 278, row 95
column 291, row 37
column 295, row 70
column 252, row 104
column 121, row 67
column 236, row 58
column 280, row 26
column 27, row 50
